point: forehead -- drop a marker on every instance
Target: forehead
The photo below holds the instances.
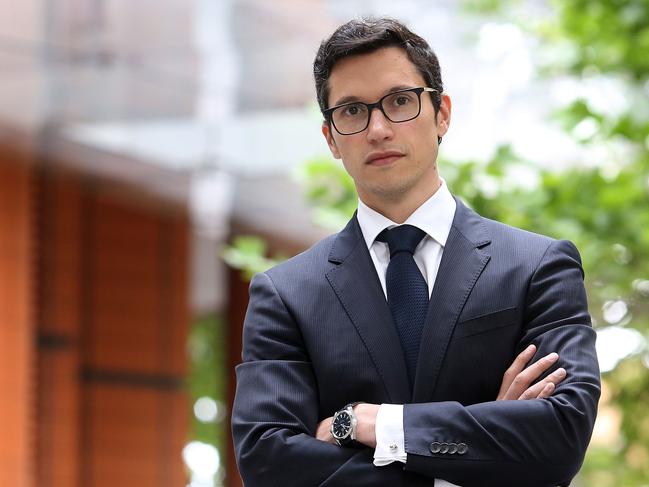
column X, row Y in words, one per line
column 369, row 76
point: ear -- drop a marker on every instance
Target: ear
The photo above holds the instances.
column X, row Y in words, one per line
column 326, row 131
column 444, row 115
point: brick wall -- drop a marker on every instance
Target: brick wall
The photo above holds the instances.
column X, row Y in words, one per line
column 17, row 352
column 93, row 324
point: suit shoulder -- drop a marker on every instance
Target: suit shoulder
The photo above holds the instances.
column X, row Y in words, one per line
column 528, row 243
column 313, row 260
column 479, row 229
column 505, row 231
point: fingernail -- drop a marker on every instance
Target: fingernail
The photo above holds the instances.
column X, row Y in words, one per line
column 530, row 348
column 553, row 356
column 560, row 372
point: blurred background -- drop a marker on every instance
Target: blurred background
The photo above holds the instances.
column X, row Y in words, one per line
column 155, row 154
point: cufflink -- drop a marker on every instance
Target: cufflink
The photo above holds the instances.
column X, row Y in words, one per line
column 393, row 447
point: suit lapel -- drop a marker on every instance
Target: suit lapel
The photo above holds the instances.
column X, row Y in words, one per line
column 462, row 263
column 357, row 286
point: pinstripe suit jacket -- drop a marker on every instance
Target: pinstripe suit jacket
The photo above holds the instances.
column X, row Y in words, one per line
column 318, row 334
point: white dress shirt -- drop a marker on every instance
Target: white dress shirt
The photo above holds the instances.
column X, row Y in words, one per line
column 435, row 217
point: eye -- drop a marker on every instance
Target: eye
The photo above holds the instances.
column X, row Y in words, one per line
column 353, row 110
column 402, row 100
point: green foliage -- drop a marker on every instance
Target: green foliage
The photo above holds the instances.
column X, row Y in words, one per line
column 604, row 206
column 488, row 7
column 207, row 378
column 248, row 253
column 609, row 35
column 330, row 191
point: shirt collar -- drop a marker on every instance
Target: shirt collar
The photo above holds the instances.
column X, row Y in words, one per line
column 434, row 216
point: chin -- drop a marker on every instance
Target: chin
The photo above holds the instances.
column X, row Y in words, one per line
column 393, row 192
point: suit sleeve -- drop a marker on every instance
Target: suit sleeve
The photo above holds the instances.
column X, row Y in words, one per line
column 535, row 442
column 275, row 412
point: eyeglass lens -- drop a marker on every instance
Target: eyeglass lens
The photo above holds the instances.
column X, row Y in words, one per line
column 397, row 107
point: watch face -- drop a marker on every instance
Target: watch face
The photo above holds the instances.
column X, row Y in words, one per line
column 342, row 425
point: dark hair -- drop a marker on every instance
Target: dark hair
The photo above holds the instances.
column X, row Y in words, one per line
column 363, row 36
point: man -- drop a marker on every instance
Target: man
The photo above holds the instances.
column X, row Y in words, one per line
column 382, row 355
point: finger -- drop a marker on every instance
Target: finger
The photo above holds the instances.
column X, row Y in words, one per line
column 547, row 391
column 534, row 391
column 517, row 366
column 323, row 431
column 527, row 377
column 546, row 387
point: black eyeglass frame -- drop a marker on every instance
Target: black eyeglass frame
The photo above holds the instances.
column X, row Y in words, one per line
column 328, row 113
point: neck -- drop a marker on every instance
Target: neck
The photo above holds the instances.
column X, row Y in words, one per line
column 399, row 209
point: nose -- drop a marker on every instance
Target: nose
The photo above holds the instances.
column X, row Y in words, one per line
column 379, row 128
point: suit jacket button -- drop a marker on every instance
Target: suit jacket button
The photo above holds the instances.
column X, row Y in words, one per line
column 435, row 447
column 452, row 448
column 444, row 448
column 462, row 448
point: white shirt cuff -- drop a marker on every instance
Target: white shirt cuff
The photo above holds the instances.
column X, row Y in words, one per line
column 389, row 435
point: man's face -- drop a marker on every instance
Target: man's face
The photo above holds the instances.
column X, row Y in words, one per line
column 389, row 162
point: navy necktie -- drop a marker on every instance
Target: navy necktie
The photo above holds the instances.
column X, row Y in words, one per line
column 407, row 290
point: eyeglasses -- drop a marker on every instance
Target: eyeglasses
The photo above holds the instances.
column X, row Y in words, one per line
column 399, row 106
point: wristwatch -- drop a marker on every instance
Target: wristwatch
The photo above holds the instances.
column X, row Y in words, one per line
column 343, row 426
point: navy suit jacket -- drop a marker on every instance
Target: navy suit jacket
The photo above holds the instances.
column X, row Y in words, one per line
column 318, row 334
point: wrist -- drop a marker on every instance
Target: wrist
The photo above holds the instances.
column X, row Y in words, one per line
column 366, row 423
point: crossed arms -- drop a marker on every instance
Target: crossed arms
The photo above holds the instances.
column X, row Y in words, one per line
column 520, row 382
column 280, row 397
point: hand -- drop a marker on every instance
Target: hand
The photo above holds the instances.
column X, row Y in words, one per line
column 323, row 431
column 518, row 381
column 365, row 427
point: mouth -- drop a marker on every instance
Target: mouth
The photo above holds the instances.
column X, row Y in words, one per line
column 383, row 158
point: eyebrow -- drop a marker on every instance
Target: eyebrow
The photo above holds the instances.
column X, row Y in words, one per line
column 353, row 98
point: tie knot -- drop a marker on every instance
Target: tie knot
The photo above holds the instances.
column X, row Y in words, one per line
column 403, row 238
